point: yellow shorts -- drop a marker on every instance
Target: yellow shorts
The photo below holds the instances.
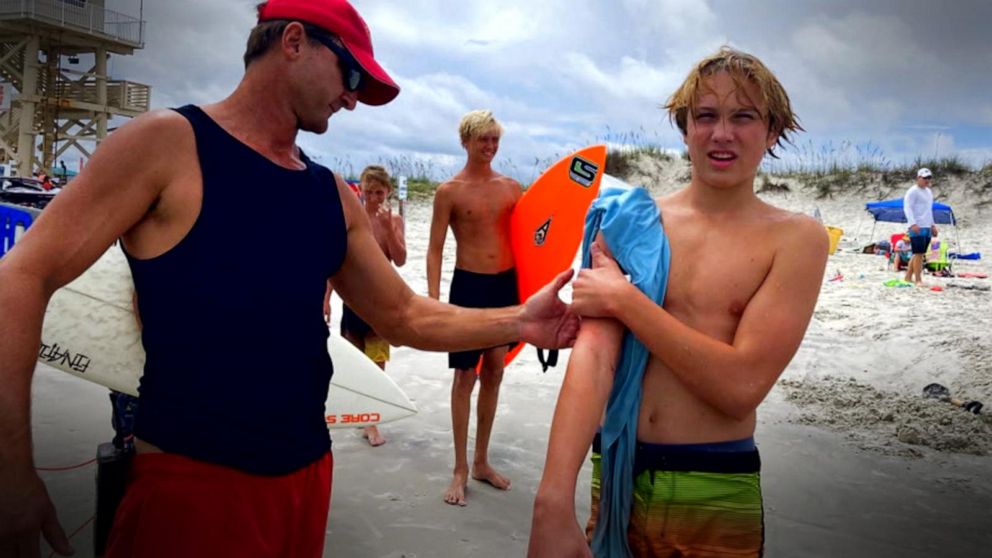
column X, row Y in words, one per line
column 377, row 349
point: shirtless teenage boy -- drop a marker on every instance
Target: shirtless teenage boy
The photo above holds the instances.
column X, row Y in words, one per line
column 730, row 323
column 476, row 204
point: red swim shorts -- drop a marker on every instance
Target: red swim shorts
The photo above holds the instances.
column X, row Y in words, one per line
column 176, row 506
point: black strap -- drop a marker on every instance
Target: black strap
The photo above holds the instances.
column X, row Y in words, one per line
column 551, row 361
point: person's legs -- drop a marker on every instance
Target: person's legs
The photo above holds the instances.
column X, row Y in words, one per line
column 920, row 243
column 369, row 432
column 372, row 433
column 461, row 408
column 476, row 290
column 491, row 377
column 919, row 267
column 915, row 260
column 377, row 349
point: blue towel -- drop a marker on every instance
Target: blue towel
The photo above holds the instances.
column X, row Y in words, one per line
column 631, row 226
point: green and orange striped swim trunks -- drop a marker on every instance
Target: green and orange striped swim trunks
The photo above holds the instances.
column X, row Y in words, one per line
column 693, row 500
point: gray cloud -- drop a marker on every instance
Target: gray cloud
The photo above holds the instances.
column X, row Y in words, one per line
column 561, row 74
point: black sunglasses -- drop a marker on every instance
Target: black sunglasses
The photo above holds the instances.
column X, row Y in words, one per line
column 351, row 71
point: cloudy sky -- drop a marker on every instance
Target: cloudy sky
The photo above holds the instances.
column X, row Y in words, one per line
column 898, row 78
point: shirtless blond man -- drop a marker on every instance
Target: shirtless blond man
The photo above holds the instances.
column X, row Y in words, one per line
column 387, row 227
column 476, row 204
column 743, row 282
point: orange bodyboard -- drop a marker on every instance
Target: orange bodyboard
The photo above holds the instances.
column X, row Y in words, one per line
column 547, row 223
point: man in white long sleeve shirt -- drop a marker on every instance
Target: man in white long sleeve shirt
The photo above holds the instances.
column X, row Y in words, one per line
column 918, row 205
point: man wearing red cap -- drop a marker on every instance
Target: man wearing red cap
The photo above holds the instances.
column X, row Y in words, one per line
column 233, row 453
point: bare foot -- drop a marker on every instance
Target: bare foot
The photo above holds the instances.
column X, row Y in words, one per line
column 372, row 435
column 455, row 494
column 487, row 474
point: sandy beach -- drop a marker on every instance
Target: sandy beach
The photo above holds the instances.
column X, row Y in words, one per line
column 856, row 463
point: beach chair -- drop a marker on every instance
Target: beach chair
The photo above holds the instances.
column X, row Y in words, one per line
column 894, row 238
column 936, row 258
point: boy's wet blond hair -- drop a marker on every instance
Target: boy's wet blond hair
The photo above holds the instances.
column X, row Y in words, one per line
column 476, row 123
column 376, row 173
column 742, row 67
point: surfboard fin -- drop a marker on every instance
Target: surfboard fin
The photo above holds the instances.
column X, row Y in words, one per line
column 552, row 359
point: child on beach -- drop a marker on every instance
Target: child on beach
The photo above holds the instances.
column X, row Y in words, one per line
column 387, row 228
column 901, row 253
column 681, row 366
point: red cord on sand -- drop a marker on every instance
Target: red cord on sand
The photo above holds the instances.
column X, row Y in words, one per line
column 69, row 468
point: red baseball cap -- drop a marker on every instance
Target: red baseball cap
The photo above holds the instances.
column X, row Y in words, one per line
column 340, row 18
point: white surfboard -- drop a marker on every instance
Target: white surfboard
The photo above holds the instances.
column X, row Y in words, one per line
column 90, row 331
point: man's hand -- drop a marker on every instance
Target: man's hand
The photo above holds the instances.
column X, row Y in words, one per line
column 933, row 231
column 915, row 229
column 596, row 290
column 26, row 510
column 546, row 321
column 384, row 216
column 554, row 533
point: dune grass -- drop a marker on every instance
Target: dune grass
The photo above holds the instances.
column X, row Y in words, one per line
column 828, row 167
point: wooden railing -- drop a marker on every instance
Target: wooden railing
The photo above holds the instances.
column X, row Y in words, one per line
column 77, row 14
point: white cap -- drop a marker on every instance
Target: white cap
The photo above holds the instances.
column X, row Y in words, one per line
column 924, row 173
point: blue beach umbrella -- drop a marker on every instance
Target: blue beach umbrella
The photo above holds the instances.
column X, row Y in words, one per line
column 891, row 211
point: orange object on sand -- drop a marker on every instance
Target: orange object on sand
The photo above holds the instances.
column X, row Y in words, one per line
column 547, row 223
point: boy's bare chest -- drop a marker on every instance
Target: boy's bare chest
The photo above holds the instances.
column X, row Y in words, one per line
column 484, row 206
column 715, row 271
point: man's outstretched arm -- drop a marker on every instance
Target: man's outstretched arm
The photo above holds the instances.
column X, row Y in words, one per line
column 371, row 286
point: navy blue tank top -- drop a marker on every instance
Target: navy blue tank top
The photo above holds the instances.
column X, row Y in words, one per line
column 237, row 368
